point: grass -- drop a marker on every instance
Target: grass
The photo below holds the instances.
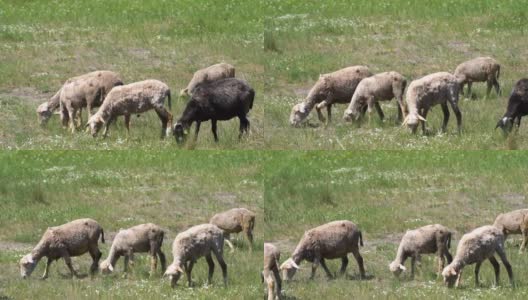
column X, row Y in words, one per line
column 120, row 189
column 386, row 193
column 44, row 43
column 414, row 38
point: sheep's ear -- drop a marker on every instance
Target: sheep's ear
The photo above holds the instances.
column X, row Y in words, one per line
column 87, row 124
column 422, row 118
column 110, row 268
column 453, row 271
column 402, row 267
column 29, row 259
column 294, row 265
column 405, row 121
column 179, row 269
column 101, row 120
column 302, row 108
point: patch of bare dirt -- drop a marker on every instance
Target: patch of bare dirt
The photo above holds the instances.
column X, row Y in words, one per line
column 14, row 246
column 514, row 200
column 28, row 94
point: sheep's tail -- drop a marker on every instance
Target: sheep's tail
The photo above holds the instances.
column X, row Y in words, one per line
column 102, row 236
column 169, row 99
column 448, row 242
column 360, row 239
column 498, row 72
column 162, row 236
column 251, row 98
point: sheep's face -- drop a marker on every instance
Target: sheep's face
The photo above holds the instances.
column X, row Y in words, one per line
column 506, row 124
column 44, row 113
column 180, row 133
column 396, row 268
column 106, row 267
column 95, row 124
column 412, row 121
column 27, row 265
column 289, row 268
column 184, row 93
column 174, row 272
column 450, row 276
column 298, row 114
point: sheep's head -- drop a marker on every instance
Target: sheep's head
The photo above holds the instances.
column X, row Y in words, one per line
column 396, row 268
column 184, row 92
column 106, row 267
column 27, row 265
column 180, row 132
column 352, row 113
column 506, row 124
column 44, row 113
column 412, row 121
column 450, row 275
column 174, row 272
column 298, row 114
column 288, row 268
column 95, row 123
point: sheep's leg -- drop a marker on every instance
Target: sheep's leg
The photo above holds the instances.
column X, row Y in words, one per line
column 130, row 255
column 163, row 114
column 524, row 232
column 196, row 130
column 469, row 89
column 401, row 109
column 496, row 85
column 278, row 280
column 413, row 266
column 445, row 110
column 441, row 263
column 65, row 117
column 359, row 260
column 448, row 256
column 458, row 114
column 79, row 119
column 67, row 260
column 96, row 256
column 163, row 260
column 506, row 263
column 125, row 263
column 213, row 129
column 249, row 235
column 244, row 125
column 46, row 271
column 107, row 125
column 496, row 268
column 315, row 264
column 378, row 109
column 127, row 125
column 325, row 268
column 318, row 108
column 425, row 111
column 490, row 85
column 222, row 264
column 329, row 112
column 210, row 262
column 477, row 270
column 344, row 264
column 71, row 116
column 188, row 271
column 459, row 279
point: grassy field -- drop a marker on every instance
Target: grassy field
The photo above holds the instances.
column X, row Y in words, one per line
column 44, row 43
column 120, row 189
column 305, row 38
column 386, row 193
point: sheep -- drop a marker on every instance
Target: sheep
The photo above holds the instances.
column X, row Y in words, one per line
column 65, row 241
column 271, row 273
column 424, row 240
column 222, row 99
column 234, row 221
column 140, row 238
column 379, row 87
column 46, row 109
column 336, row 87
column 211, row 73
column 195, row 242
column 514, row 222
column 479, row 69
column 88, row 91
column 328, row 241
column 133, row 98
column 517, row 107
column 426, row 92
column 475, row 247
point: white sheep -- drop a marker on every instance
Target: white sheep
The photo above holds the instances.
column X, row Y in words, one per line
column 234, row 221
column 428, row 239
column 336, row 87
column 65, row 241
column 271, row 274
column 475, row 247
column 479, row 69
column 140, row 238
column 426, row 92
column 514, row 222
column 211, row 73
column 190, row 245
column 379, row 87
column 133, row 98
column 329, row 241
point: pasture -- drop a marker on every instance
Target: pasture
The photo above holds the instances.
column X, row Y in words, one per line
column 120, row 189
column 386, row 193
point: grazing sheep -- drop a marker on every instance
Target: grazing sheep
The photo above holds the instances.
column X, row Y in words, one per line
column 211, row 73
column 140, row 238
column 65, row 241
column 88, row 91
column 133, row 98
column 379, row 87
column 514, row 222
column 428, row 239
column 46, row 109
column 271, row 274
column 336, row 87
column 222, row 99
column 195, row 242
column 517, row 106
column 234, row 221
column 479, row 69
column 475, row 247
column 329, row 241
column 426, row 92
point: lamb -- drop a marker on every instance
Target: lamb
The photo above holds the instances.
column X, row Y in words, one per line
column 46, row 109
column 271, row 274
column 426, row 92
column 88, row 91
column 336, row 87
column 134, row 98
column 475, row 247
column 211, row 73
column 223, row 99
column 479, row 69
column 514, row 222
column 380, row 87
column 140, row 238
column 195, row 242
column 65, row 241
column 424, row 240
column 329, row 241
column 517, row 107
column 234, row 221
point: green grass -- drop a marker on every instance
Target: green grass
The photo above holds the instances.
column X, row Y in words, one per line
column 120, row 189
column 386, row 193
column 414, row 38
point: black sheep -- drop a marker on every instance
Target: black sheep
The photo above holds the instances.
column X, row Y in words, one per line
column 517, row 106
column 222, row 99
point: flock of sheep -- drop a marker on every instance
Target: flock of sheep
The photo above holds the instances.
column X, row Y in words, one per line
column 336, row 239
column 80, row 236
column 214, row 94
column 363, row 90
